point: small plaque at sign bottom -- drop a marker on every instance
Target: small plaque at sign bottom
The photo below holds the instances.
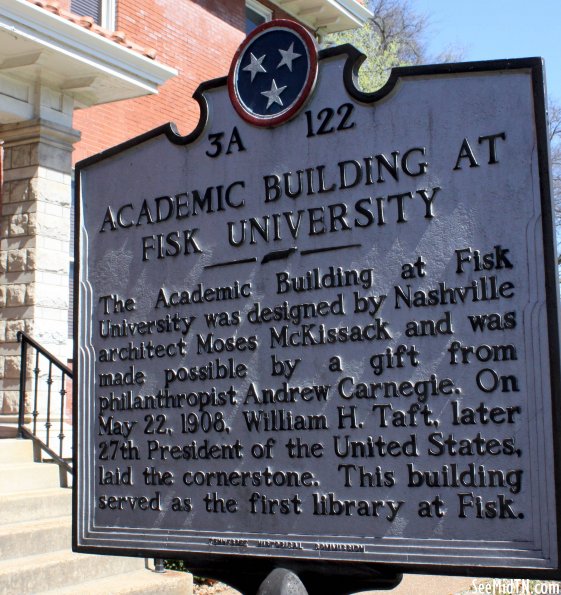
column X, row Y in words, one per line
column 329, row 338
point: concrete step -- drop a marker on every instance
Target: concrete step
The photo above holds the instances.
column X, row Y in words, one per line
column 16, row 451
column 32, row 505
column 142, row 582
column 36, row 533
column 18, row 540
column 8, row 426
column 60, row 569
column 27, row 476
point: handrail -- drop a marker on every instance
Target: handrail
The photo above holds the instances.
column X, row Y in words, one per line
column 22, row 335
column 52, row 409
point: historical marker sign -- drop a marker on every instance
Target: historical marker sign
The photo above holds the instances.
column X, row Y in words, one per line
column 324, row 326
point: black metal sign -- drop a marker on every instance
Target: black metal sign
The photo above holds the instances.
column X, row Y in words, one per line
column 323, row 327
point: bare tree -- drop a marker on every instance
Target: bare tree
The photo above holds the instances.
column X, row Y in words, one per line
column 395, row 25
column 555, row 144
column 393, row 36
column 554, row 117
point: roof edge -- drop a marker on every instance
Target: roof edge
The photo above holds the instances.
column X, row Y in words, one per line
column 56, row 33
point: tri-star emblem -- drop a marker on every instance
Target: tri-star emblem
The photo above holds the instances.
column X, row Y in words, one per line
column 273, row 73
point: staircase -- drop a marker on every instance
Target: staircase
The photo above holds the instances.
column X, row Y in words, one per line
column 35, row 539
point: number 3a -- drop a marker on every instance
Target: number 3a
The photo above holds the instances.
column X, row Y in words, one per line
column 216, row 138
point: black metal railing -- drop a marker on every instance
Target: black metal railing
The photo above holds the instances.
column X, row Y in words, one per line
column 45, row 407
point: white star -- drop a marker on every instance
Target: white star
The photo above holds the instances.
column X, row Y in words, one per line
column 288, row 56
column 255, row 66
column 273, row 95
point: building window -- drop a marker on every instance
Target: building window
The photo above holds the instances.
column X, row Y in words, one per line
column 255, row 14
column 102, row 11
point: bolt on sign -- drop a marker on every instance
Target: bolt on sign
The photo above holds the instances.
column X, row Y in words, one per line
column 323, row 326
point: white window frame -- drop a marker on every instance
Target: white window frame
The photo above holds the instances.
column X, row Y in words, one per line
column 108, row 14
column 261, row 10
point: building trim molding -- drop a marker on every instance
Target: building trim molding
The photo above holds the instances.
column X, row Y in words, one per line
column 118, row 72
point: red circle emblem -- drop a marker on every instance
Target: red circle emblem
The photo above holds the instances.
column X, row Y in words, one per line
column 273, row 73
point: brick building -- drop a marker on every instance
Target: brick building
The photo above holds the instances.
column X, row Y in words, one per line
column 198, row 39
column 79, row 76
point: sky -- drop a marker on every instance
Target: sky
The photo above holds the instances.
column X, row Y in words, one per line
column 494, row 29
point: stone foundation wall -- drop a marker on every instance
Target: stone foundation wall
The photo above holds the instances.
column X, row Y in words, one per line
column 34, row 245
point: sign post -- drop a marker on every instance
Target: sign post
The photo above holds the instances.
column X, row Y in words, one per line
column 321, row 332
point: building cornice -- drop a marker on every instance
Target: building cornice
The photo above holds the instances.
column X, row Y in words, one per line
column 37, row 44
column 326, row 16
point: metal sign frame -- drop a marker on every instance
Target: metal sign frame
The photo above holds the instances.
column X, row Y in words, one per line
column 242, row 571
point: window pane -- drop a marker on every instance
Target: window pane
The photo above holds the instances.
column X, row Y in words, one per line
column 252, row 19
column 87, row 8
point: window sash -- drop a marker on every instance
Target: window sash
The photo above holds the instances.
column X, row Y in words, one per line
column 255, row 15
column 102, row 11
